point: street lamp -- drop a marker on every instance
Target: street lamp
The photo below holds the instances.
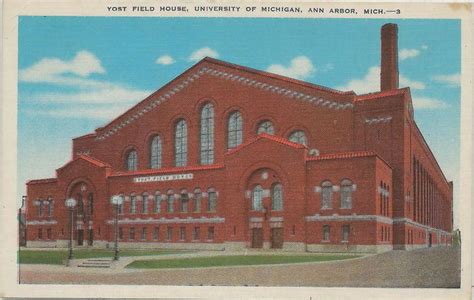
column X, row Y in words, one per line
column 116, row 201
column 70, row 204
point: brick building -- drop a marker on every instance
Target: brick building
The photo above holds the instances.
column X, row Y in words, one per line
column 228, row 157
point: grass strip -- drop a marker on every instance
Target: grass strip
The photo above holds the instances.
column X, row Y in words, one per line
column 56, row 257
column 233, row 260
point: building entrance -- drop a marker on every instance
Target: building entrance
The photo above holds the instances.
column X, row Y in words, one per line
column 90, row 241
column 277, row 238
column 80, row 237
column 257, row 238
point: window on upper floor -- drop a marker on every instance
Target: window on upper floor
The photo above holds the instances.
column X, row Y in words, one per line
column 184, row 201
column 211, row 200
column 277, row 197
column 265, row 126
column 197, row 200
column 298, row 136
column 156, row 151
column 133, row 204
column 234, row 130
column 170, row 201
column 157, row 201
column 257, row 197
column 207, row 134
column 346, row 193
column 326, row 194
column 145, row 203
column 132, row 160
column 181, row 143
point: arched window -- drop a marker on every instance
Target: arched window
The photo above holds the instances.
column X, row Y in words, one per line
column 197, row 200
column 133, row 203
column 157, row 201
column 170, row 201
column 298, row 136
column 184, row 201
column 234, row 130
column 346, row 193
column 326, row 194
column 181, row 143
column 277, row 197
column 80, row 205
column 207, row 134
column 90, row 204
column 132, row 160
column 211, row 200
column 155, row 152
column 265, row 127
column 257, row 196
column 145, row 203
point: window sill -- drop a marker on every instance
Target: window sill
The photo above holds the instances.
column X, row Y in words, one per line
column 326, row 208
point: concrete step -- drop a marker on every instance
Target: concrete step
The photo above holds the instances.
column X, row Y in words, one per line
column 96, row 263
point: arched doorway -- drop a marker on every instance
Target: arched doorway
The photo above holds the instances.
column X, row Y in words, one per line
column 265, row 209
column 83, row 213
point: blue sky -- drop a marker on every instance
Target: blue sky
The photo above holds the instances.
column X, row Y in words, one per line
column 77, row 73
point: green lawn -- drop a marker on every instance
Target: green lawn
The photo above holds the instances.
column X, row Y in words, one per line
column 234, row 260
column 56, row 257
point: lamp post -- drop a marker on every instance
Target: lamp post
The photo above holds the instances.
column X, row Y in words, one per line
column 70, row 204
column 116, row 202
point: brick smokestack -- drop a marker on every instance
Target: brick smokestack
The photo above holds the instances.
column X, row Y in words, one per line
column 389, row 57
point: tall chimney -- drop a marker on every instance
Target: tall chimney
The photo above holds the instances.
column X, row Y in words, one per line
column 389, row 57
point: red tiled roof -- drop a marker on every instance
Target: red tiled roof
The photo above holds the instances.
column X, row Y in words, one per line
column 276, row 76
column 269, row 137
column 92, row 160
column 378, row 95
column 85, row 135
column 167, row 170
column 46, row 180
column 343, row 155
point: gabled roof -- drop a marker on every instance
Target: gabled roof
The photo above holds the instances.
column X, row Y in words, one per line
column 271, row 83
column 39, row 181
column 378, row 95
column 270, row 137
column 89, row 159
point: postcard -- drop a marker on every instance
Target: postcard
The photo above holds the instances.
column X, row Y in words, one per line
column 216, row 149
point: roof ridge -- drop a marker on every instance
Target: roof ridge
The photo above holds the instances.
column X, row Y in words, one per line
column 278, row 139
column 380, row 94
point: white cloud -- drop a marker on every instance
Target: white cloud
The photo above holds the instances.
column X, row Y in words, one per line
column 424, row 47
column 451, row 80
column 78, row 96
column 203, row 52
column 408, row 53
column 412, row 84
column 428, row 103
column 371, row 83
column 165, row 60
column 52, row 69
column 300, row 67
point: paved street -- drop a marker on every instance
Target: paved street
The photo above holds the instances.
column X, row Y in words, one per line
column 435, row 267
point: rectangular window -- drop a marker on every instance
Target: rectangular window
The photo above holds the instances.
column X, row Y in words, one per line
column 210, row 233
column 144, row 233
column 212, row 201
column 184, row 202
column 169, row 233
column 120, row 209
column 156, row 233
column 345, row 233
column 131, row 233
column 48, row 234
column 182, row 233
column 40, row 209
column 120, row 233
column 382, row 234
column 196, row 233
column 40, row 233
column 326, row 231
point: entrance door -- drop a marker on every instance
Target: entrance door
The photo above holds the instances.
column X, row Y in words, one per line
column 277, row 238
column 80, row 237
column 257, row 238
column 91, row 237
column 430, row 237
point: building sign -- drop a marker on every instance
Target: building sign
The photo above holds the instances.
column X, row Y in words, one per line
column 163, row 178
